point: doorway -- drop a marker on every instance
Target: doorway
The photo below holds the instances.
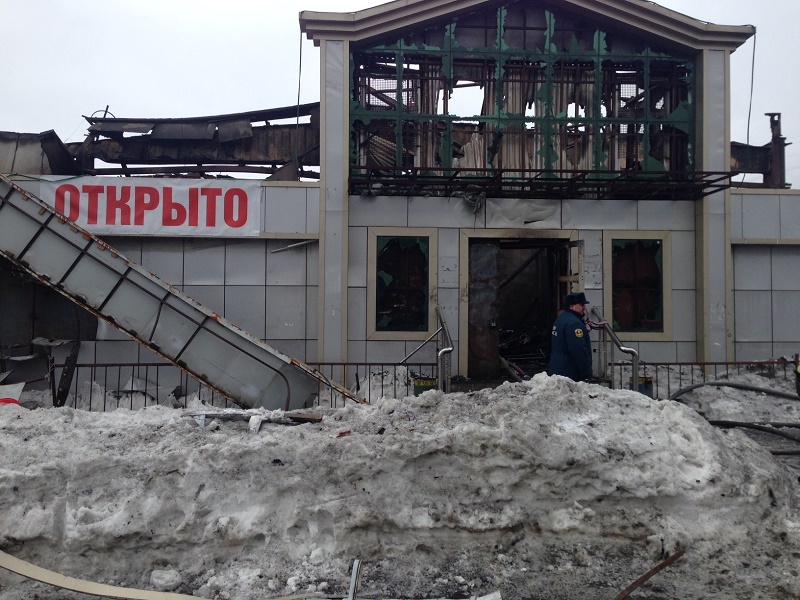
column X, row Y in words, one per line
column 514, row 286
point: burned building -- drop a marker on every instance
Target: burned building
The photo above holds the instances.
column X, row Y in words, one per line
column 468, row 164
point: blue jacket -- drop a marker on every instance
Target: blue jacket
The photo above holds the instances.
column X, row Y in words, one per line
column 570, row 348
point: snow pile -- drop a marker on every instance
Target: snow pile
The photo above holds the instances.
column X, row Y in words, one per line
column 541, row 489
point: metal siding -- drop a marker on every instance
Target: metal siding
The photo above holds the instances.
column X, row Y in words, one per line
column 736, row 230
column 599, row 214
column 245, row 305
column 285, row 318
column 357, row 257
column 671, row 215
column 357, row 351
column 752, row 268
column 285, row 210
column 357, row 314
column 439, row 212
column 754, row 351
column 687, row 351
column 683, row 260
column 245, row 262
column 448, row 258
column 761, row 217
column 164, row 257
column 786, row 268
column 448, row 303
column 658, row 351
column 522, row 213
column 311, row 311
column 312, row 210
column 210, row 296
column 753, row 316
column 785, row 324
column 118, row 352
column 684, row 327
column 378, row 211
column 386, row 352
column 312, row 264
column 129, row 247
column 204, row 262
column 790, row 216
column 287, row 267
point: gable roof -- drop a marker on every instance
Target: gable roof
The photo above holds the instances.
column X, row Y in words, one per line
column 636, row 15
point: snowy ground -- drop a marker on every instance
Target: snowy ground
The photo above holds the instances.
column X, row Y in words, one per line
column 541, row 489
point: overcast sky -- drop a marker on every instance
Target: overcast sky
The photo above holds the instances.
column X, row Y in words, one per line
column 180, row 58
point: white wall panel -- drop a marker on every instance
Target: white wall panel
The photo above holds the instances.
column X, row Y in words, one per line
column 448, row 258
column 761, row 217
column 204, row 262
column 164, row 257
column 516, row 213
column 599, row 214
column 385, row 211
column 662, row 214
column 245, row 306
column 287, row 267
column 357, row 258
column 285, row 210
column 752, row 268
column 357, row 313
column 684, row 316
column 786, row 268
column 785, row 321
column 245, row 262
column 211, row 296
column 285, row 318
column 684, row 262
column 790, row 216
column 441, row 212
column 753, row 310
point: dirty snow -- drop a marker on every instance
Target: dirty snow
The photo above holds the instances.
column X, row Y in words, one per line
column 540, row 489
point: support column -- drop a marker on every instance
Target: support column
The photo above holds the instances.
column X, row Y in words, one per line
column 334, row 136
column 713, row 267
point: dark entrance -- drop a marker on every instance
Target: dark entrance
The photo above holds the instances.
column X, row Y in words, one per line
column 514, row 290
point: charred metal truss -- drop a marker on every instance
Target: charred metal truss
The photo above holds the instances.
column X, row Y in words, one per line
column 228, row 143
column 516, row 100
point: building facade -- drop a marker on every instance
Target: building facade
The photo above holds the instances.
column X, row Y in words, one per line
column 478, row 160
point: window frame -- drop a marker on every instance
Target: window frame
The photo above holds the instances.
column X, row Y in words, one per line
column 433, row 277
column 666, row 282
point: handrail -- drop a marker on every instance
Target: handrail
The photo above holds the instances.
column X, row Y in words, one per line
column 442, row 373
column 446, row 347
column 626, row 350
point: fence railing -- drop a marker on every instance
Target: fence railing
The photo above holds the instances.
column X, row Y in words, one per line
column 106, row 386
column 661, row 380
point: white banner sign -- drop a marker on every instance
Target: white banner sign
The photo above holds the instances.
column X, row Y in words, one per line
column 163, row 207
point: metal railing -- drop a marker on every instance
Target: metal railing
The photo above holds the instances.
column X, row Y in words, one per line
column 109, row 386
column 608, row 331
column 661, row 380
column 444, row 347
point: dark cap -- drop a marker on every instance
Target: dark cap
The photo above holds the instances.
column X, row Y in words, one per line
column 575, row 298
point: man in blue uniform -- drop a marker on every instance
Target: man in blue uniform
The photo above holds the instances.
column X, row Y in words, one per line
column 570, row 348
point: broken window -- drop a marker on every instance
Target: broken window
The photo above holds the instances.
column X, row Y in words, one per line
column 402, row 283
column 519, row 90
column 637, row 285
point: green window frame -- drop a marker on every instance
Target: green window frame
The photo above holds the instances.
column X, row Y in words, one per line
column 401, row 283
column 637, row 283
